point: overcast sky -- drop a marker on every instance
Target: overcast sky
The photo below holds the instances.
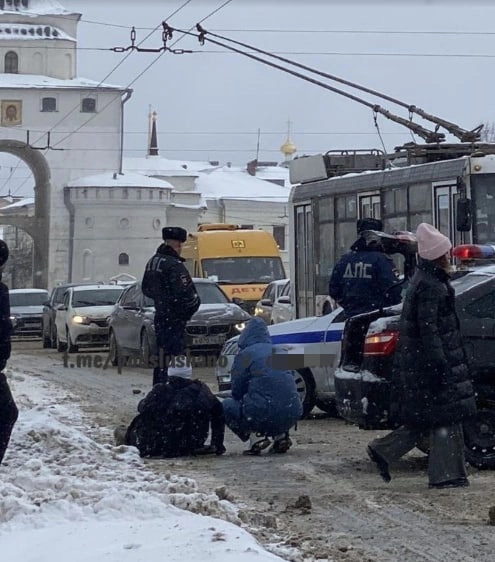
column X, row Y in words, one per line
column 438, row 55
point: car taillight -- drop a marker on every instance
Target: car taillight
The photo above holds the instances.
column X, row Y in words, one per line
column 383, row 343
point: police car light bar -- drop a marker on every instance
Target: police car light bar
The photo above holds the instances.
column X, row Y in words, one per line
column 473, row 251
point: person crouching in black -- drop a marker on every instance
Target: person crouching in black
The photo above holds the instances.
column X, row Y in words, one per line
column 168, row 283
column 174, row 420
column 8, row 408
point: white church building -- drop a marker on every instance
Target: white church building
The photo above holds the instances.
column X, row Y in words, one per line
column 97, row 215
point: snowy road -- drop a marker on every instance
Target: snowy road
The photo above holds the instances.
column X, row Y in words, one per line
column 349, row 514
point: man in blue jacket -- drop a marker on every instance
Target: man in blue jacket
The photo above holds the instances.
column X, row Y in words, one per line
column 364, row 278
column 264, row 402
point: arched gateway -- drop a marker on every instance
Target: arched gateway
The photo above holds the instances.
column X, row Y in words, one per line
column 37, row 227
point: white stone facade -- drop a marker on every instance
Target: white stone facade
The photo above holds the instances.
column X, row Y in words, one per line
column 92, row 207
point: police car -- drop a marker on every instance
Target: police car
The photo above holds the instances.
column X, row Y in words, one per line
column 312, row 345
column 311, row 350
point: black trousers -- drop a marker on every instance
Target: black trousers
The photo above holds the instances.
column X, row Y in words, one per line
column 170, row 342
column 8, row 415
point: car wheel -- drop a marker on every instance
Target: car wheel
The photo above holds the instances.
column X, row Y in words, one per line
column 113, row 350
column 71, row 347
column 61, row 346
column 306, row 389
column 329, row 407
column 145, row 350
column 479, row 439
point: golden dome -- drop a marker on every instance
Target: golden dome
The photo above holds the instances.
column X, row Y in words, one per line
column 288, row 148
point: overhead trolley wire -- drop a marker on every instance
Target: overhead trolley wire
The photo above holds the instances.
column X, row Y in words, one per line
column 427, row 135
column 146, row 68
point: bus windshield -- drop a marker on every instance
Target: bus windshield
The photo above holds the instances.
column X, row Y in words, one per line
column 483, row 196
column 243, row 270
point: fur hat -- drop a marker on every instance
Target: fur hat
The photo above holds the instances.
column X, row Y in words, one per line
column 369, row 224
column 174, row 233
column 432, row 244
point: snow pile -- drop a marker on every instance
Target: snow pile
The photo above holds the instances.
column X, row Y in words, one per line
column 61, row 491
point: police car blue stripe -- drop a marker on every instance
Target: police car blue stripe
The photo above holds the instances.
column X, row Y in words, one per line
column 308, row 337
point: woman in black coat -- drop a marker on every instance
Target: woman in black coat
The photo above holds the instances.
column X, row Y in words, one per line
column 433, row 391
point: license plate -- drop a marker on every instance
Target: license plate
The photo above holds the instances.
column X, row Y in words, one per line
column 208, row 340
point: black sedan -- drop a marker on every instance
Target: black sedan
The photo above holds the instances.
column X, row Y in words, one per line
column 362, row 381
column 132, row 335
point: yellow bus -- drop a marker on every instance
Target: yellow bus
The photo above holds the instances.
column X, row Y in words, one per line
column 241, row 261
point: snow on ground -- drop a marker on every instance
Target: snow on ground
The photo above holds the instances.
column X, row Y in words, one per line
column 64, row 495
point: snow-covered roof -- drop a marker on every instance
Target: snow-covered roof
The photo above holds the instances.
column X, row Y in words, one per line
column 36, row 7
column 112, row 179
column 223, row 183
column 27, row 31
column 37, row 81
column 156, row 165
column 26, row 201
column 271, row 173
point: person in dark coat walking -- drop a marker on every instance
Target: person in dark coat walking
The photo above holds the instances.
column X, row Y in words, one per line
column 264, row 402
column 364, row 278
column 174, row 420
column 168, row 283
column 432, row 389
column 8, row 408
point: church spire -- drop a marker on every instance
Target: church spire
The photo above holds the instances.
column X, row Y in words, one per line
column 153, row 148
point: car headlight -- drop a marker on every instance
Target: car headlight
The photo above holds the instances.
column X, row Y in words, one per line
column 240, row 327
column 13, row 319
column 81, row 320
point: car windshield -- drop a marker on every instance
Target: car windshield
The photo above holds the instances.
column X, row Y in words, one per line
column 243, row 270
column 210, row 293
column 27, row 299
column 95, row 297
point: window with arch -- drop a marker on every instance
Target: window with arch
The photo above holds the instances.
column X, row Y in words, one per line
column 123, row 259
column 11, row 63
column 49, row 104
column 88, row 105
column 87, row 265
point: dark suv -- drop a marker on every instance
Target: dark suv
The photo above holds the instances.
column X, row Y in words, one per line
column 362, row 380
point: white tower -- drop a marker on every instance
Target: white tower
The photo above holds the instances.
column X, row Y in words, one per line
column 62, row 126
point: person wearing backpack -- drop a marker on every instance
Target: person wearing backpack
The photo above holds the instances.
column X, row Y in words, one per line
column 174, row 420
column 8, row 408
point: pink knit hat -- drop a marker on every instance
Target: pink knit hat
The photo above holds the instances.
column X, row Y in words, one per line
column 432, row 244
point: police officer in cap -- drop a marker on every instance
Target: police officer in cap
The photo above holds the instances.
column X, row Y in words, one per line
column 364, row 278
column 168, row 283
column 8, row 408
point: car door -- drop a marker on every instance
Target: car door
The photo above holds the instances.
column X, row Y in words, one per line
column 282, row 308
column 332, row 346
column 130, row 321
column 476, row 309
column 61, row 316
column 266, row 303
